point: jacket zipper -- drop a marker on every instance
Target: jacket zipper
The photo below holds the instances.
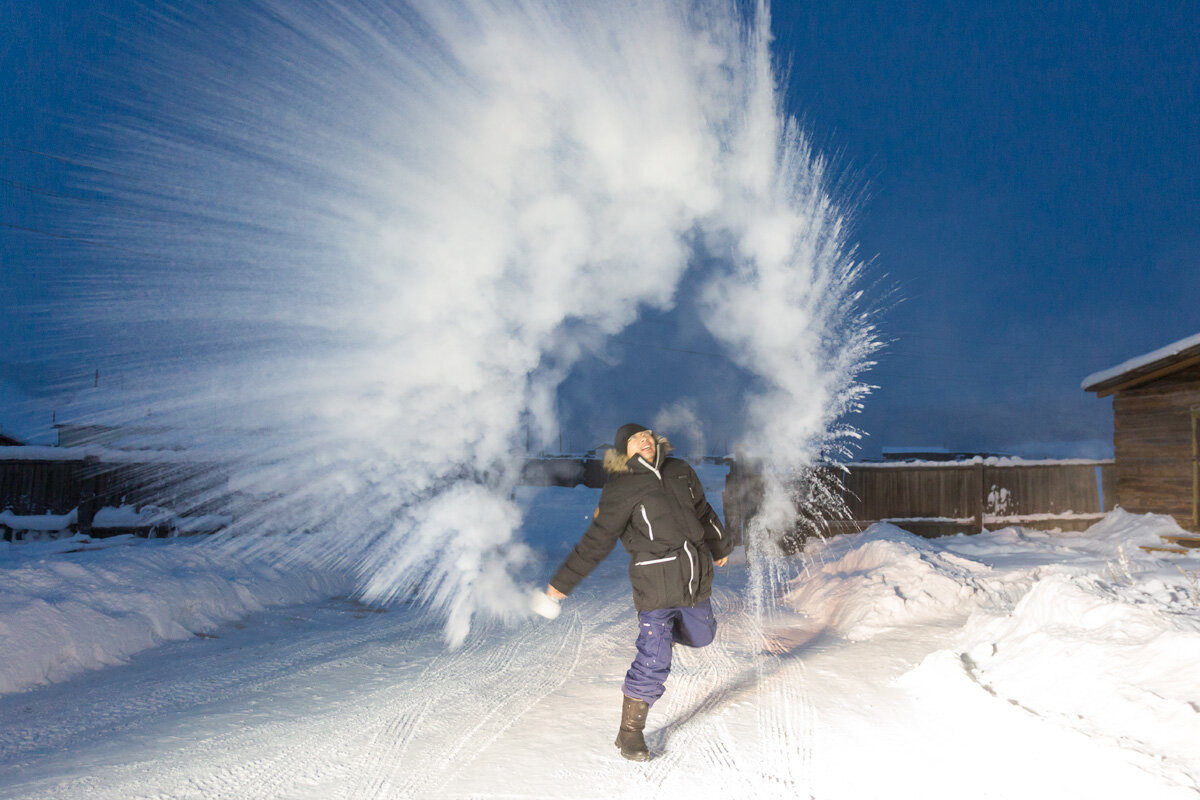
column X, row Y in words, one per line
column 646, row 517
column 715, row 528
column 650, row 467
column 692, row 564
column 650, row 531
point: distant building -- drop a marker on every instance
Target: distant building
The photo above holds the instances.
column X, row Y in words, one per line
column 113, row 437
column 8, row 441
column 73, row 435
column 1156, row 430
column 932, row 454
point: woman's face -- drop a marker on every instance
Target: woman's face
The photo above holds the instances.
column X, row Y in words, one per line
column 641, row 444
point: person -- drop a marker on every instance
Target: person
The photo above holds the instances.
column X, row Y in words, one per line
column 655, row 505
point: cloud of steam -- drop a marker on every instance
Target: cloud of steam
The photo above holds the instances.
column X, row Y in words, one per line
column 681, row 421
column 358, row 245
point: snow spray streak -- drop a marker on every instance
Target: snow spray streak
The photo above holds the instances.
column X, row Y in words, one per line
column 364, row 241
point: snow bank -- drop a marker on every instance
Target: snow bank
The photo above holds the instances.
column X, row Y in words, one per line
column 130, row 517
column 885, row 577
column 1111, row 649
column 1084, row 629
column 74, row 604
column 38, row 522
column 114, row 517
column 1098, row 658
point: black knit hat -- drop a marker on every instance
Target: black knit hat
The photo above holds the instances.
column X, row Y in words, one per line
column 621, row 440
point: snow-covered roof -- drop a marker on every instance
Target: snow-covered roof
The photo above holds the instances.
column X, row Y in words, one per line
column 1180, row 354
column 102, row 454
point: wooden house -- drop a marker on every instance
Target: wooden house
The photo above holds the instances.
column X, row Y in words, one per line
column 1156, row 430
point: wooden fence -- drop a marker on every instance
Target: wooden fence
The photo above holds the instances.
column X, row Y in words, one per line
column 563, row 471
column 935, row 498
column 40, row 487
column 927, row 498
column 37, row 481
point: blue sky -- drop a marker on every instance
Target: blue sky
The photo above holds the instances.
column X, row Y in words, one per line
column 1029, row 185
column 1028, row 177
column 1032, row 178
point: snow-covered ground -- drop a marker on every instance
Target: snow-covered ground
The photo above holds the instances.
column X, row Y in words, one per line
column 1008, row 664
column 73, row 604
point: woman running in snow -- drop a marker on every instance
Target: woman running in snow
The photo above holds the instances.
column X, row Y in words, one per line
column 655, row 505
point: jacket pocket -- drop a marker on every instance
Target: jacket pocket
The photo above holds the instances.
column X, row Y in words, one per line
column 651, row 578
column 656, row 561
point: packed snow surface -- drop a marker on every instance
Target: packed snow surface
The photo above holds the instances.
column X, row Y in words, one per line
column 1013, row 663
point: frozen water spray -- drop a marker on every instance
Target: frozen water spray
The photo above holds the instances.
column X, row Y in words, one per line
column 359, row 244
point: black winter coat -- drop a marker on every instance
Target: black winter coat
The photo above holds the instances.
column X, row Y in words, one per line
column 671, row 533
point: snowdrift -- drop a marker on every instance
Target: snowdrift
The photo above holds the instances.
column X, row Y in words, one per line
column 886, row 578
column 73, row 604
column 1085, row 629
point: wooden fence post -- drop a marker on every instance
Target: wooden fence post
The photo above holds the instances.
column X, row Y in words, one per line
column 982, row 493
column 1196, row 468
column 86, row 510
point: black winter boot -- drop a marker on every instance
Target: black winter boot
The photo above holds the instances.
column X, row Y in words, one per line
column 633, row 722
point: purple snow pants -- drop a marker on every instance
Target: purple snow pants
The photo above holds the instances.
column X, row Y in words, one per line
column 657, row 629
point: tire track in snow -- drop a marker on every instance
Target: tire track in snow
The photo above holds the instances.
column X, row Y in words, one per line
column 543, row 687
column 784, row 713
column 403, row 714
column 524, row 680
column 393, row 739
column 265, row 749
column 267, row 759
column 699, row 687
column 423, row 707
column 516, row 684
column 337, row 735
column 402, row 717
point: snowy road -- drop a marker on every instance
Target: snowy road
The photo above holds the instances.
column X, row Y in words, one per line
column 333, row 700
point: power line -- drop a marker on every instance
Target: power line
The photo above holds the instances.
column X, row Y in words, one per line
column 674, row 349
column 94, row 243
column 45, row 192
column 52, row 157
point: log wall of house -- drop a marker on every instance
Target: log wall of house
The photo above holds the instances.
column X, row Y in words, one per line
column 1153, row 441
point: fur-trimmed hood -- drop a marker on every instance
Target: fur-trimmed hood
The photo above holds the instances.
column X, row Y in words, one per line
column 615, row 462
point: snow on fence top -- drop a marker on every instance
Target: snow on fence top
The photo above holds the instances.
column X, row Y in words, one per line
column 989, row 461
column 1163, row 353
column 48, row 453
